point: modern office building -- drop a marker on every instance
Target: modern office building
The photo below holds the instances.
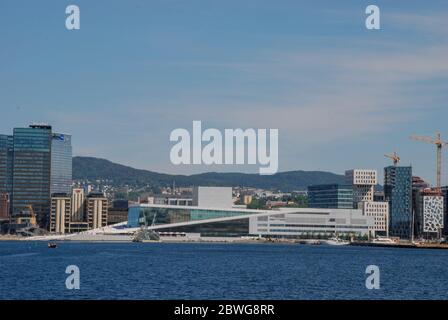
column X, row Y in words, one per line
column 6, row 163
column 4, row 206
column 31, row 171
column 332, row 196
column 78, row 205
column 379, row 210
column 398, row 192
column 61, row 207
column 73, row 212
column 96, row 210
column 429, row 211
column 61, row 163
column 34, row 162
column 363, row 183
column 118, row 212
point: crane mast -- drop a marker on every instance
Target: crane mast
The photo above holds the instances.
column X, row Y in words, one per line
column 439, row 146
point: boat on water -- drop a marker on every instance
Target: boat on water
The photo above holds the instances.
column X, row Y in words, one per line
column 336, row 242
column 52, row 245
column 383, row 240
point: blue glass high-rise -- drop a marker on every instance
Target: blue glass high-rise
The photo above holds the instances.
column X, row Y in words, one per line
column 31, row 171
column 61, row 163
column 34, row 163
column 398, row 191
column 6, row 162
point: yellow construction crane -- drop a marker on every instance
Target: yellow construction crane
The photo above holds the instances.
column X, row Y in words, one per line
column 439, row 145
column 395, row 158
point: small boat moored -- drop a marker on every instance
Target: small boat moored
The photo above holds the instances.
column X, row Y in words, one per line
column 335, row 241
column 52, row 245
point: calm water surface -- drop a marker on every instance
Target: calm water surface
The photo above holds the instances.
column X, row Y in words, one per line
column 29, row 270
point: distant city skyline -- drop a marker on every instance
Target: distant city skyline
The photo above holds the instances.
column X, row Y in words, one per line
column 341, row 96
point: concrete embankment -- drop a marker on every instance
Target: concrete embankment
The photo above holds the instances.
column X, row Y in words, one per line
column 406, row 245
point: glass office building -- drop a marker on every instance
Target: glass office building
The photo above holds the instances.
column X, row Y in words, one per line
column 61, row 163
column 31, row 171
column 34, row 163
column 6, row 159
column 330, row 196
column 398, row 191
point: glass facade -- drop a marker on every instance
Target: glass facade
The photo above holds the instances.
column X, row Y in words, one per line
column 398, row 191
column 31, row 171
column 330, row 196
column 233, row 228
column 6, row 158
column 34, row 163
column 61, row 163
column 147, row 216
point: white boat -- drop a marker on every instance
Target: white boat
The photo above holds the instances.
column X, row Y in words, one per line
column 383, row 240
column 336, row 242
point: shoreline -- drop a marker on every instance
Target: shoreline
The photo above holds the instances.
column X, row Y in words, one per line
column 223, row 240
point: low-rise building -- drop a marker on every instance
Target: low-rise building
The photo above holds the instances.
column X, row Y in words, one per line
column 235, row 222
column 380, row 213
column 306, row 222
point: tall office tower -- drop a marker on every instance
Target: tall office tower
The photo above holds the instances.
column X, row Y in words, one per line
column 6, row 162
column 429, row 213
column 60, row 213
column 4, row 206
column 31, row 171
column 331, row 196
column 97, row 207
column 398, row 191
column 363, row 182
column 61, row 163
column 78, row 205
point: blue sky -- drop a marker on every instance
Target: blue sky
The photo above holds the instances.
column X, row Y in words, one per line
column 340, row 95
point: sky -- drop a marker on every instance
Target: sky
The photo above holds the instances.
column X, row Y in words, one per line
column 340, row 95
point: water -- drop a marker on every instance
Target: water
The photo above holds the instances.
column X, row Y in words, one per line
column 29, row 270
